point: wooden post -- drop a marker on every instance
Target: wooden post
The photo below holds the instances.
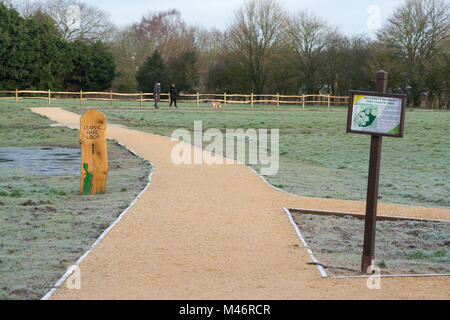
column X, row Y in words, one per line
column 81, row 97
column 94, row 155
column 17, row 96
column 278, row 100
column 329, row 101
column 110, row 98
column 49, row 97
column 303, row 101
column 140, row 98
column 198, row 100
column 372, row 187
column 225, row 100
column 251, row 101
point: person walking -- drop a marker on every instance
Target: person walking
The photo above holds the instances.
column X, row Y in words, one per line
column 173, row 95
column 157, row 93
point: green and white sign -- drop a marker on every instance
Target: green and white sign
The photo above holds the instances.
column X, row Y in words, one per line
column 379, row 114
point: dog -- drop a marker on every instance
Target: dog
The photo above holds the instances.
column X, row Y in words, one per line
column 216, row 105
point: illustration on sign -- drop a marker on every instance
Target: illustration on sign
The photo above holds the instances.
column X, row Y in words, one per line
column 376, row 114
column 87, row 183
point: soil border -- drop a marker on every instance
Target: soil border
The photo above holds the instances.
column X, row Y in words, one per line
column 357, row 215
column 323, row 274
column 321, row 267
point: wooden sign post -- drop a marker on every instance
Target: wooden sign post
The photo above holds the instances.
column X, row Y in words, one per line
column 378, row 114
column 94, row 156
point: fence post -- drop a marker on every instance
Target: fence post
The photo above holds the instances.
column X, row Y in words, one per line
column 225, row 100
column 198, row 100
column 110, row 98
column 303, row 101
column 252, row 100
column 49, row 97
column 140, row 98
column 81, row 97
column 278, row 100
column 329, row 101
column 17, row 96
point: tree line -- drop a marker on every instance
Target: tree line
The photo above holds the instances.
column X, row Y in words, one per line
column 33, row 55
column 265, row 49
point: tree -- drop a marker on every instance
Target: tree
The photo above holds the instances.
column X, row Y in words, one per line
column 346, row 64
column 182, row 71
column 166, row 32
column 253, row 37
column 92, row 67
column 224, row 75
column 152, row 71
column 7, row 3
column 308, row 37
column 31, row 55
column 438, row 78
column 74, row 19
column 413, row 36
column 209, row 46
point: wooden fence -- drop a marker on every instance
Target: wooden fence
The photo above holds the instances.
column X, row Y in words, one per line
column 196, row 98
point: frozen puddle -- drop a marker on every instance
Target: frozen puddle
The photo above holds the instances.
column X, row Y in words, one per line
column 43, row 160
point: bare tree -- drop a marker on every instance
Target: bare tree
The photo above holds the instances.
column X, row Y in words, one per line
column 414, row 35
column 79, row 21
column 74, row 19
column 123, row 47
column 255, row 33
column 165, row 31
column 209, row 45
column 308, row 37
column 438, row 78
column 209, row 41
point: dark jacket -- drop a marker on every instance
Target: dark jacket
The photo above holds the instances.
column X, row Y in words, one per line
column 157, row 89
column 173, row 93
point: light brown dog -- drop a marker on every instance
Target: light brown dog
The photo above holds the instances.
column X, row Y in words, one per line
column 216, row 105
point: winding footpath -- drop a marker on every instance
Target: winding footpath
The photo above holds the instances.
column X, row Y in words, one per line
column 220, row 232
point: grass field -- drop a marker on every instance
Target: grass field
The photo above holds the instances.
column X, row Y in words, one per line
column 319, row 159
column 45, row 225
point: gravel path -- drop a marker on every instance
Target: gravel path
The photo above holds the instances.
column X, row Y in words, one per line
column 219, row 232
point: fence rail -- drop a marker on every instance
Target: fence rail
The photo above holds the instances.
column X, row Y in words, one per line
column 196, row 98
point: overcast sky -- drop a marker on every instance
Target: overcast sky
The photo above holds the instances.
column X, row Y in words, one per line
column 351, row 16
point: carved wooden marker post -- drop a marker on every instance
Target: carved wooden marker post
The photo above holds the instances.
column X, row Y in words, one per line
column 94, row 156
column 378, row 114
